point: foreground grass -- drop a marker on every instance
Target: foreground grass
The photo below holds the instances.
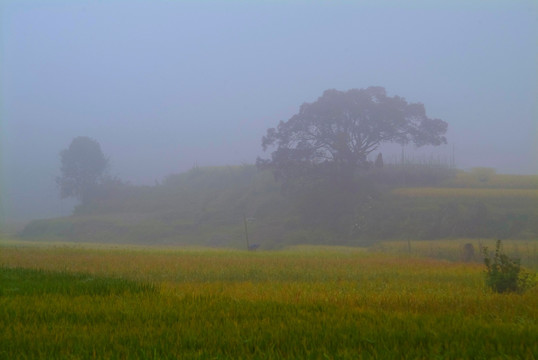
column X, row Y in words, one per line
column 98, row 302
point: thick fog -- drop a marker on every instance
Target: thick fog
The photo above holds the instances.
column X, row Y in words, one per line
column 165, row 85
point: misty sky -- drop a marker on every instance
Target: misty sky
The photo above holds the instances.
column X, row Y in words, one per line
column 165, row 85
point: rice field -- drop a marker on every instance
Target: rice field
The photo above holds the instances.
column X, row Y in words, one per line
column 487, row 178
column 453, row 250
column 485, row 193
column 73, row 301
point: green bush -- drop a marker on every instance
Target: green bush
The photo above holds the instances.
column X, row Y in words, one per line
column 505, row 274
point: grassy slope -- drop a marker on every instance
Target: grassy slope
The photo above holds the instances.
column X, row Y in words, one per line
column 206, row 206
column 299, row 303
column 203, row 206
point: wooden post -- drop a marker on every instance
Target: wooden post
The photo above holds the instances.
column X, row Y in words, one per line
column 246, row 231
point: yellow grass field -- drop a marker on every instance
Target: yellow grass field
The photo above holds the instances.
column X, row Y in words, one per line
column 90, row 301
column 530, row 194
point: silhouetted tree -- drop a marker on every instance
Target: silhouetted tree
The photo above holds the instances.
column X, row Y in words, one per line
column 83, row 166
column 337, row 132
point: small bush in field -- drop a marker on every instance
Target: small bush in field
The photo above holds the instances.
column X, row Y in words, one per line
column 504, row 274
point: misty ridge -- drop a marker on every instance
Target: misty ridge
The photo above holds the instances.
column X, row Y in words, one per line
column 189, row 88
column 325, row 182
column 166, row 86
column 268, row 179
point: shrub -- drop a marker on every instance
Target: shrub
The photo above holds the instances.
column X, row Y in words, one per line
column 504, row 274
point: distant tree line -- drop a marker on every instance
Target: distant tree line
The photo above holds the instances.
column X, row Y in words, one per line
column 331, row 190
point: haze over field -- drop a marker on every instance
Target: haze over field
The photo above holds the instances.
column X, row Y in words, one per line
column 164, row 85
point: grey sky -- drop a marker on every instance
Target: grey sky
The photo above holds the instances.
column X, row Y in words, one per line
column 164, row 85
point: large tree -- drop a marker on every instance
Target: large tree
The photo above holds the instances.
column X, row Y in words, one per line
column 83, row 166
column 339, row 130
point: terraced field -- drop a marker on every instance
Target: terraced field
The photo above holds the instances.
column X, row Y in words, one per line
column 530, row 194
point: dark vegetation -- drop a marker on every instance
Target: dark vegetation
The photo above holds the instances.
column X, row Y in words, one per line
column 207, row 206
column 330, row 139
column 504, row 274
column 31, row 282
column 83, row 169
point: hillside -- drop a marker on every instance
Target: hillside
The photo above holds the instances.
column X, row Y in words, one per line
column 204, row 206
column 208, row 206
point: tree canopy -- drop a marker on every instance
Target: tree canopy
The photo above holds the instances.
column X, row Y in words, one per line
column 83, row 166
column 341, row 128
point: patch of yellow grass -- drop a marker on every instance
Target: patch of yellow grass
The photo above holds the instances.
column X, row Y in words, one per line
column 467, row 193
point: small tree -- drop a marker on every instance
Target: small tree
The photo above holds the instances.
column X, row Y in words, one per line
column 504, row 274
column 83, row 166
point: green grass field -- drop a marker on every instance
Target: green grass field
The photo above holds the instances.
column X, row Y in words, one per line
column 72, row 301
